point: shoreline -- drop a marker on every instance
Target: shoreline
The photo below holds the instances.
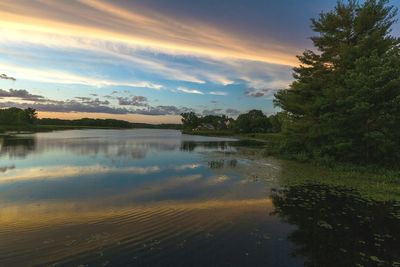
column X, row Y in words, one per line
column 378, row 182
column 51, row 128
column 375, row 181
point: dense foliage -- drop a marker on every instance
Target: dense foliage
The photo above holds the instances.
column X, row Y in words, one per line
column 254, row 121
column 345, row 102
column 190, row 120
column 16, row 116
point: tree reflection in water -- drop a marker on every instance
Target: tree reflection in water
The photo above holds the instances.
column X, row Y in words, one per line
column 13, row 146
column 190, row 146
column 336, row 226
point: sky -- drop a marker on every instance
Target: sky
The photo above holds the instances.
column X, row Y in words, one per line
column 149, row 61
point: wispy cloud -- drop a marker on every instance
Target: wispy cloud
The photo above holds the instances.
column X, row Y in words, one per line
column 62, row 77
column 137, row 27
column 133, row 36
column 66, row 106
column 93, row 102
column 162, row 110
column 5, row 77
column 218, row 93
column 190, row 91
column 21, row 94
column 136, row 105
column 133, row 101
column 103, row 44
column 263, row 92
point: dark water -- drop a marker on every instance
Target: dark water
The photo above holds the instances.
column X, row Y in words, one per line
column 159, row 198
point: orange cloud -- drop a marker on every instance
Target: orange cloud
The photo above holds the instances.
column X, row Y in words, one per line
column 84, row 21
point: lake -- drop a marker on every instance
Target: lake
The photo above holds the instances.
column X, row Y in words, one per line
column 159, row 198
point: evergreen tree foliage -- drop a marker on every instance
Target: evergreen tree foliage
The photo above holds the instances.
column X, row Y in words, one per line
column 344, row 104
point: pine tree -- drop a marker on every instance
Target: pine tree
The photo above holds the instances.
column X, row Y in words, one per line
column 344, row 104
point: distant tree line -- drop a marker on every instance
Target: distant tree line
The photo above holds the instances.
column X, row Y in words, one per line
column 87, row 122
column 107, row 123
column 28, row 117
column 254, row 121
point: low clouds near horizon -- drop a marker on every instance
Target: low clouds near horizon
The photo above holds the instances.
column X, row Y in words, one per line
column 21, row 98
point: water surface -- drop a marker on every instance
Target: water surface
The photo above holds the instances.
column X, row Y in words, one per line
column 160, row 198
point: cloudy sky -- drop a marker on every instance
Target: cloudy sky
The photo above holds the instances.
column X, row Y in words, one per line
column 150, row 60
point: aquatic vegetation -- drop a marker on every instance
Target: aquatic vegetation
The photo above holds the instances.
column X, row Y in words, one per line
column 376, row 184
column 336, row 226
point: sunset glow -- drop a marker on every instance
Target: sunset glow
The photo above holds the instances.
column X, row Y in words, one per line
column 175, row 55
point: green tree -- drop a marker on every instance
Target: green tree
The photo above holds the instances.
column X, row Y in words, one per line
column 253, row 121
column 279, row 122
column 345, row 101
column 190, row 120
column 17, row 116
column 218, row 122
column 30, row 115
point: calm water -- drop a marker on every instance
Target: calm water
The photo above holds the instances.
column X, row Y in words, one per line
column 159, row 198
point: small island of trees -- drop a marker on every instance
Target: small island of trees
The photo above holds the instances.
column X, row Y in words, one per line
column 254, row 121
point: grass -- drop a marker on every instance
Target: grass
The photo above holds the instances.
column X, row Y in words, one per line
column 373, row 183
